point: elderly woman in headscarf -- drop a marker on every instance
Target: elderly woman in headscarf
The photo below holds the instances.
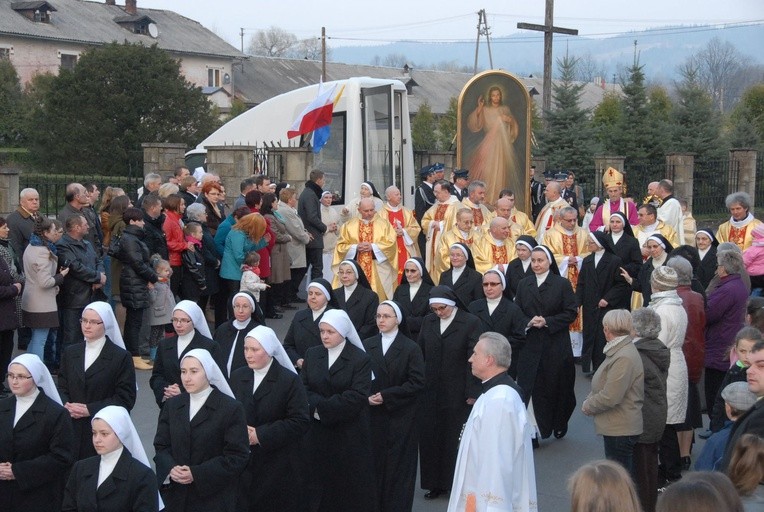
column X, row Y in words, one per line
column 230, row 335
column 413, row 294
column 600, row 289
column 398, row 380
column 739, row 265
column 356, row 297
column 337, row 377
column 276, row 409
column 448, row 336
column 331, row 218
column 191, row 332
column 658, row 247
column 95, row 373
column 36, row 439
column 119, row 478
column 303, row 332
column 201, row 441
column 546, row 371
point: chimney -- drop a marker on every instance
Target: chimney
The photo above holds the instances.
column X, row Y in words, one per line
column 131, row 6
column 111, row 2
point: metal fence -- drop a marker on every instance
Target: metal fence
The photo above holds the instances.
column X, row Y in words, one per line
column 712, row 181
column 640, row 174
column 759, row 198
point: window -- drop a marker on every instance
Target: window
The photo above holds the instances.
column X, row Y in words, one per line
column 5, row 53
column 42, row 16
column 213, row 77
column 68, row 61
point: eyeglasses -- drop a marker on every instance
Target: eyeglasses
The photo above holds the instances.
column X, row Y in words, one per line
column 14, row 376
column 411, row 270
column 85, row 321
column 438, row 309
column 238, row 306
column 385, row 317
column 180, row 320
column 487, row 284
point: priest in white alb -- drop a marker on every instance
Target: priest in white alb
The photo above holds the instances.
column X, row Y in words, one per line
column 494, row 468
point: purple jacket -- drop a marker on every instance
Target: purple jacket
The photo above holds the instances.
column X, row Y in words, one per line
column 725, row 316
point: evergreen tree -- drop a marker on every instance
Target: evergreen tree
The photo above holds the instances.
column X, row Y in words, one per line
column 634, row 136
column 447, row 126
column 10, row 104
column 747, row 120
column 697, row 126
column 605, row 122
column 423, row 128
column 567, row 142
column 660, row 109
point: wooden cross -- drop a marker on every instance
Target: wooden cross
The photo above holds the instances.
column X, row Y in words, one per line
column 548, row 29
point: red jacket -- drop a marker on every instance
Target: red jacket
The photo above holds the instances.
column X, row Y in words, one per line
column 694, row 347
column 176, row 240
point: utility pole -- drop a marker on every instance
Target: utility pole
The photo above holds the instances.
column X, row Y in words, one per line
column 482, row 29
column 241, row 34
column 548, row 29
column 323, row 53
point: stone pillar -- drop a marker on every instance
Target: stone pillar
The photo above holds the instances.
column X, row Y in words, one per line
column 745, row 160
column 680, row 168
column 447, row 158
column 540, row 163
column 601, row 163
column 162, row 157
column 232, row 164
column 291, row 165
column 9, row 190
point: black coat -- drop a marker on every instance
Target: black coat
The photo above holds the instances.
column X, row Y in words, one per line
column 448, row 384
column 641, row 283
column 212, row 259
column 399, row 377
column 507, row 319
column 85, row 269
column 131, row 486
column 545, row 370
column 707, row 269
column 752, row 422
column 110, row 380
column 361, row 307
column 193, row 282
column 415, row 310
column 154, row 235
column 603, row 282
column 468, row 287
column 655, row 361
column 424, row 198
column 9, row 320
column 226, row 336
column 213, row 444
column 309, row 210
column 167, row 363
column 302, row 334
column 340, row 442
column 40, row 449
column 279, row 412
column 628, row 250
column 514, row 274
column 136, row 270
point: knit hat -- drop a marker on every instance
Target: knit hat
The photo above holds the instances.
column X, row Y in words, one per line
column 739, row 396
column 665, row 277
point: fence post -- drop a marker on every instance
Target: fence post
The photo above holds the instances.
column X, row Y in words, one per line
column 295, row 164
column 9, row 190
column 745, row 159
column 683, row 167
column 232, row 164
column 601, row 163
column 162, row 157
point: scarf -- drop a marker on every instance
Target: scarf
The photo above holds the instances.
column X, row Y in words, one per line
column 197, row 243
column 255, row 270
column 39, row 242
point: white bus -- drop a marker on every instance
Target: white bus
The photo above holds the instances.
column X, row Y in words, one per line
column 370, row 135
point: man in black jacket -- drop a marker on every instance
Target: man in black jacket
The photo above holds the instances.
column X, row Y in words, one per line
column 309, row 210
column 154, row 236
column 86, row 274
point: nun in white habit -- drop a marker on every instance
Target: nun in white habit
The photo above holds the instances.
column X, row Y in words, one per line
column 276, row 408
column 337, row 377
column 119, row 478
column 95, row 373
column 201, row 441
column 36, row 440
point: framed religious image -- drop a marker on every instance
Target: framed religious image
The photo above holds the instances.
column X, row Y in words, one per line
column 493, row 134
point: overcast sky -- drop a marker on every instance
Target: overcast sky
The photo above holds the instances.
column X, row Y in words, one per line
column 353, row 22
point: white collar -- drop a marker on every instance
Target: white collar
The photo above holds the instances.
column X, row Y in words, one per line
column 651, row 227
column 390, row 335
column 318, row 313
column 494, row 302
column 262, row 372
column 350, row 289
column 240, row 325
column 540, row 278
column 737, row 224
column 393, row 208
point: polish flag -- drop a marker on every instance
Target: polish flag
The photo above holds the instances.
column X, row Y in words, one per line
column 316, row 115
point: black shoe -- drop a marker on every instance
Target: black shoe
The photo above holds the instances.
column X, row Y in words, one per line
column 686, row 463
column 431, row 495
column 288, row 306
column 274, row 316
column 559, row 434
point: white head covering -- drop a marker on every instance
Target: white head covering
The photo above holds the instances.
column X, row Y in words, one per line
column 321, row 287
column 367, row 187
column 324, row 193
column 197, row 316
column 396, row 309
column 340, row 320
column 415, row 262
column 40, row 375
column 119, row 420
column 211, row 368
column 271, row 344
column 461, row 248
column 352, row 265
column 657, row 241
column 595, row 240
column 501, row 277
column 109, row 322
column 246, row 296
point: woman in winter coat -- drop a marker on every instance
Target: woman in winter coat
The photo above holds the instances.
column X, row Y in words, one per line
column 280, row 261
column 174, row 207
column 114, row 226
column 10, row 296
column 753, row 257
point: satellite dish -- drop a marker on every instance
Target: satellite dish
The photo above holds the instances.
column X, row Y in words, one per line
column 153, row 30
column 226, row 79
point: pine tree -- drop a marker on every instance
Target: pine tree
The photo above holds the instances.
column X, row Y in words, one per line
column 423, row 128
column 696, row 123
column 10, row 104
column 605, row 121
column 447, row 127
column 634, row 136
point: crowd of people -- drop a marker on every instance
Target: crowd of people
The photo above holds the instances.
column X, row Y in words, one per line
column 443, row 337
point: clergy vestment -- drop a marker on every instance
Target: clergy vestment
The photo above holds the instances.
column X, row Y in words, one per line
column 564, row 245
column 545, row 371
column 448, row 384
column 546, row 218
column 525, row 223
column 399, row 377
column 433, row 226
column 481, row 215
column 738, row 232
column 670, row 212
column 495, row 462
column 450, row 237
column 381, row 264
column 489, row 252
column 602, row 214
column 399, row 216
column 642, row 234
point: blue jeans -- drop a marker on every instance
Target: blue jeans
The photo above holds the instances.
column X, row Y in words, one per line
column 621, row 449
column 37, row 343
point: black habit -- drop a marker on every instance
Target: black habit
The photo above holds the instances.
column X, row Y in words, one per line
column 449, row 383
column 279, row 412
column 707, row 268
column 514, row 274
column 545, row 371
column 110, row 380
column 628, row 250
column 414, row 310
column 230, row 338
column 361, row 307
column 468, row 287
column 399, row 377
column 167, row 363
column 40, row 450
column 302, row 334
column 507, row 319
column 603, row 282
column 213, row 444
column 131, row 487
column 641, row 283
column 338, row 445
